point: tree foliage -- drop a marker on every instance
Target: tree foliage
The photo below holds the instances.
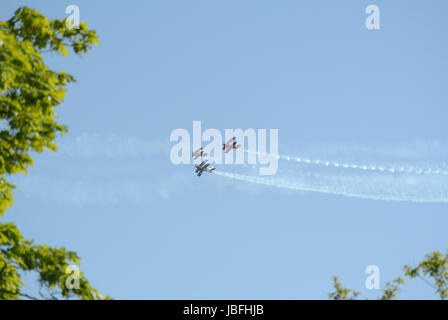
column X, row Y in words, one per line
column 392, row 288
column 29, row 92
column 341, row 293
column 433, row 270
column 51, row 264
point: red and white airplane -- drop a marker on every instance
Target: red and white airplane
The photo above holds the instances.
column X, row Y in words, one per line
column 231, row 144
column 199, row 153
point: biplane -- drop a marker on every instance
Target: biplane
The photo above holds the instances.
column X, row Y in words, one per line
column 231, row 144
column 204, row 166
column 199, row 153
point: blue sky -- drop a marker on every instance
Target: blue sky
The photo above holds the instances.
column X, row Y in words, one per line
column 148, row 229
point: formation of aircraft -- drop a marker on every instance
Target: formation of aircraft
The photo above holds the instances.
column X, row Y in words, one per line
column 231, row 144
column 204, row 166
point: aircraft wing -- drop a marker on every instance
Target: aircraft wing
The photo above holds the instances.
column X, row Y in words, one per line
column 228, row 142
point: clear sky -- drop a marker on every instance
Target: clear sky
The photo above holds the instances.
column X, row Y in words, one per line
column 145, row 228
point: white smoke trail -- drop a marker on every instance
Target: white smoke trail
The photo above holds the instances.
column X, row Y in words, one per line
column 405, row 188
column 94, row 145
column 379, row 168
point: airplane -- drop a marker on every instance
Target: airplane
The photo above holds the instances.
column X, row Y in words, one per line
column 199, row 153
column 203, row 166
column 231, row 144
